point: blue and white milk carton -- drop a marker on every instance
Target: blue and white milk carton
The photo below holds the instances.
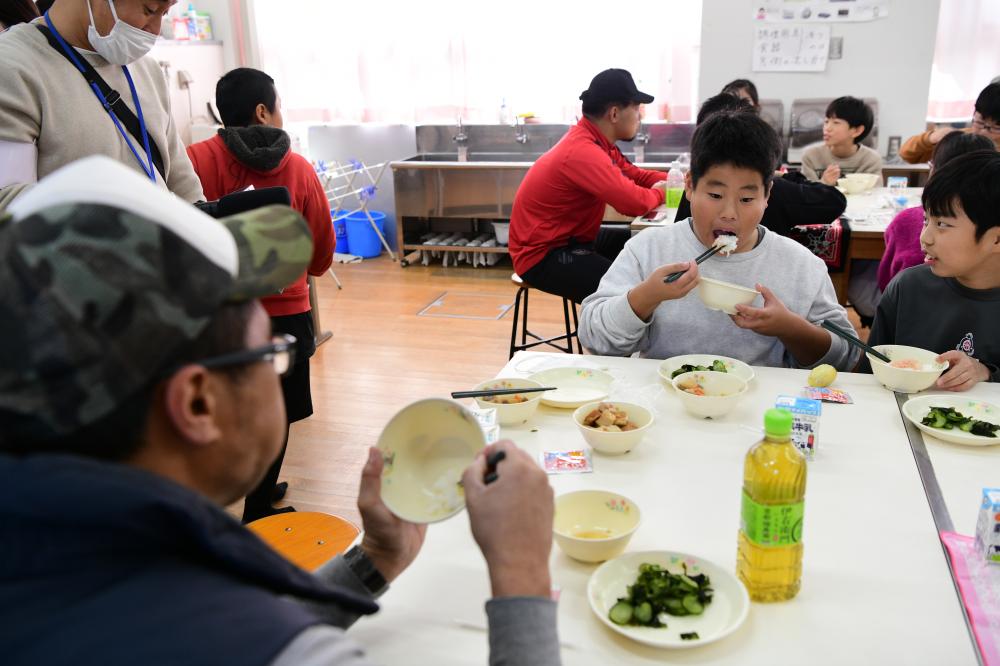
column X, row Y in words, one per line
column 805, row 421
column 988, row 526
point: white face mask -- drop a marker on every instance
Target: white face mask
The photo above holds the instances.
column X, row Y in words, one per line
column 124, row 44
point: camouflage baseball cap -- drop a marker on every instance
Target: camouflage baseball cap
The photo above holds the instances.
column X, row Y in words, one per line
column 103, row 276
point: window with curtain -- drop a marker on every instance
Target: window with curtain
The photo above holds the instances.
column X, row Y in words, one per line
column 399, row 61
column 966, row 57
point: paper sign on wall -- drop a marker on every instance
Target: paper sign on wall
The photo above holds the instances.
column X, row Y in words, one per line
column 819, row 11
column 791, row 48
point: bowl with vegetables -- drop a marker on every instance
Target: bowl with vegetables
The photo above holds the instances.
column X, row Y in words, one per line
column 678, row 365
column 667, row 599
column 709, row 395
column 594, row 525
column 910, row 369
column 724, row 296
column 955, row 419
column 511, row 409
column 613, row 427
column 426, row 447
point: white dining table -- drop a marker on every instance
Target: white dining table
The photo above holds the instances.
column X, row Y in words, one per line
column 962, row 472
column 876, row 587
column 872, row 211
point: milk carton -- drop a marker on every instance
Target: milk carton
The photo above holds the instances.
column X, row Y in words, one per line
column 988, row 526
column 805, row 421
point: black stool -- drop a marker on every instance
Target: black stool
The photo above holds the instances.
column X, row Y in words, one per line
column 522, row 299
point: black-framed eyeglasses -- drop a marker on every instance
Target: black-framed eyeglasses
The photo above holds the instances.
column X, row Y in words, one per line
column 983, row 127
column 280, row 353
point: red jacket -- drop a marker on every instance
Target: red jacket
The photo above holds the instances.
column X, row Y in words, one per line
column 221, row 173
column 563, row 195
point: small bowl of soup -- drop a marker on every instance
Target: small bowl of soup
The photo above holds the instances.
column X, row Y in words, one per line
column 594, row 525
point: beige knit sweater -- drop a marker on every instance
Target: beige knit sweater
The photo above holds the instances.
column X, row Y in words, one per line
column 44, row 100
column 817, row 158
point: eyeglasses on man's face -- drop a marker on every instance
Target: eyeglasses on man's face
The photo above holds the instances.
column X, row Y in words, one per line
column 979, row 125
column 280, row 353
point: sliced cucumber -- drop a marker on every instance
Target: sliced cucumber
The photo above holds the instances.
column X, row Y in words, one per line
column 620, row 613
column 692, row 605
column 643, row 613
column 688, row 583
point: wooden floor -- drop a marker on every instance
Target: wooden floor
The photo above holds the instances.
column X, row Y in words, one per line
column 382, row 356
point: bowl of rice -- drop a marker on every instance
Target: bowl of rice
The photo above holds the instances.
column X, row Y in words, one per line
column 910, row 369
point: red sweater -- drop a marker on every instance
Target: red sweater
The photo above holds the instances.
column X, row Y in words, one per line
column 563, row 195
column 221, row 174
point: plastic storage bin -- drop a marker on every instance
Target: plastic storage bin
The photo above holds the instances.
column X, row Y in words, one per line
column 361, row 238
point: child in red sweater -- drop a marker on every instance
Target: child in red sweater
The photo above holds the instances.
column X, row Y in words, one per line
column 253, row 149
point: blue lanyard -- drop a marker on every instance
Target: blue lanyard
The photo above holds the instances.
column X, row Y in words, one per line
column 147, row 166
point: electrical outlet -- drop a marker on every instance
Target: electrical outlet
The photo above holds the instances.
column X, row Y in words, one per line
column 836, row 48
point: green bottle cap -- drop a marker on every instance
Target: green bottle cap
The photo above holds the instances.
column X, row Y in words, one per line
column 778, row 422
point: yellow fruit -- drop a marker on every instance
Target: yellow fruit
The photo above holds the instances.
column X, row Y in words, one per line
column 822, row 375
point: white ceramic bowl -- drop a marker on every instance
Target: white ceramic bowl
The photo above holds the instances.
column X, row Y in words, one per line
column 511, row 413
column 866, row 180
column 725, row 296
column 575, row 386
column 594, row 525
column 722, row 393
column 733, row 366
column 426, row 447
column 906, row 380
column 614, row 443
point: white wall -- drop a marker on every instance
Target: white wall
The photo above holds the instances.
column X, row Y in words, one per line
column 222, row 27
column 888, row 59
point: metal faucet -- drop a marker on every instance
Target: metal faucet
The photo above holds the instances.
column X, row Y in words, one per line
column 462, row 139
column 520, row 133
column 639, row 144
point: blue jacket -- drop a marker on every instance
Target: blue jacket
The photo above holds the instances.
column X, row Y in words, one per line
column 105, row 563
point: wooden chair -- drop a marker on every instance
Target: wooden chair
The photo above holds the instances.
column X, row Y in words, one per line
column 306, row 538
column 521, row 313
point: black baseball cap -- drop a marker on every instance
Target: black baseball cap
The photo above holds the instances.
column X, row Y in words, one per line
column 614, row 85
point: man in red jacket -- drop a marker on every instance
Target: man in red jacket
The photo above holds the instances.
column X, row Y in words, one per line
column 556, row 240
column 252, row 149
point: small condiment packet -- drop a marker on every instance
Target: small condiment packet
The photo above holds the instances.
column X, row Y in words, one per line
column 828, row 395
column 567, row 462
column 492, row 434
column 486, row 416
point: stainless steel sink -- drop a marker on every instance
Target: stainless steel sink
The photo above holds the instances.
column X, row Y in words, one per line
column 475, row 157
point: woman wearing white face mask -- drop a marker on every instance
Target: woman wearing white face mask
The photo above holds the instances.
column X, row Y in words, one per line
column 78, row 82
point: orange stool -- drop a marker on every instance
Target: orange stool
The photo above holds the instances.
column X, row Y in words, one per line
column 306, row 538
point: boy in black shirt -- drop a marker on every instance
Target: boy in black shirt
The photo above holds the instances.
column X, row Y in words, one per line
column 951, row 303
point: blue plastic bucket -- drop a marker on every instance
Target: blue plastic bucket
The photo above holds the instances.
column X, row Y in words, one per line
column 363, row 240
column 340, row 230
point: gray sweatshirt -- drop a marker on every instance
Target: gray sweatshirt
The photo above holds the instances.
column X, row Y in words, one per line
column 522, row 630
column 797, row 277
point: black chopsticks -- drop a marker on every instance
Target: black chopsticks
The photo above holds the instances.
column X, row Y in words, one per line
column 833, row 328
column 488, row 393
column 491, row 466
column 700, row 258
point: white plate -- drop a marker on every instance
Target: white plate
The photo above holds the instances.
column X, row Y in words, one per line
column 576, row 386
column 915, row 409
column 729, row 607
column 733, row 366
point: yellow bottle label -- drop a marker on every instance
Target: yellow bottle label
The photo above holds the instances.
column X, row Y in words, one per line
column 772, row 524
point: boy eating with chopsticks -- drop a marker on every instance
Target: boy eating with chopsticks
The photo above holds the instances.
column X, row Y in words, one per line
column 733, row 159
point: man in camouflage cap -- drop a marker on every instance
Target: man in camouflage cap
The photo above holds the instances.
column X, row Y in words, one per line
column 139, row 394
